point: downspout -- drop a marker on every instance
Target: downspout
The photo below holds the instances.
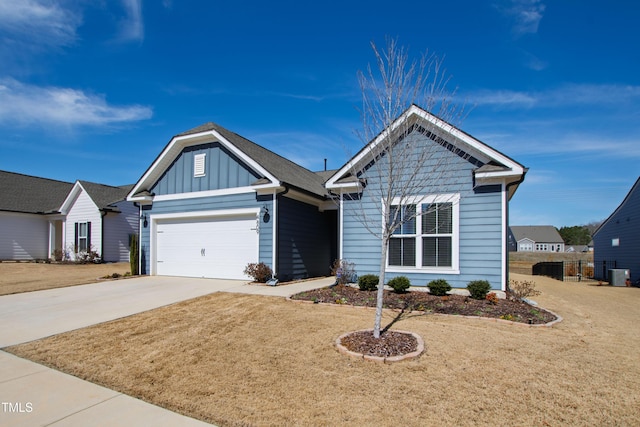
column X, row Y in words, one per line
column 506, row 230
column 139, row 237
column 103, row 214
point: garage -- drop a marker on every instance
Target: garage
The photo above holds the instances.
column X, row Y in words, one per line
column 218, row 246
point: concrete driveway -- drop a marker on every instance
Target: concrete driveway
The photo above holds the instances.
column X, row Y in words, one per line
column 34, row 315
column 32, row 394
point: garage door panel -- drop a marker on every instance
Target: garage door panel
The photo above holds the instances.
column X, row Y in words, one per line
column 206, row 247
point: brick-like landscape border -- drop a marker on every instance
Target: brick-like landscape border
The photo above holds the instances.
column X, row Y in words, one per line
column 342, row 349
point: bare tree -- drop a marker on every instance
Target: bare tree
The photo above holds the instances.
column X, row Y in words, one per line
column 396, row 165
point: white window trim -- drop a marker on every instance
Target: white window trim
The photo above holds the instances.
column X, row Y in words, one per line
column 84, row 237
column 454, row 199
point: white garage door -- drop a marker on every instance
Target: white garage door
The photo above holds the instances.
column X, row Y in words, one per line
column 218, row 247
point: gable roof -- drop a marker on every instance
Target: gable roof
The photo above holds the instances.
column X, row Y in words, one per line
column 634, row 188
column 104, row 196
column 275, row 170
column 31, row 194
column 536, row 233
column 497, row 168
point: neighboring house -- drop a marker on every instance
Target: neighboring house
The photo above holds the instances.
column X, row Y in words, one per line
column 536, row 238
column 30, row 221
column 97, row 218
column 213, row 201
column 577, row 248
column 42, row 218
column 617, row 240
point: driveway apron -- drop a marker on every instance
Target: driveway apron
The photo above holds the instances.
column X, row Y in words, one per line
column 32, row 394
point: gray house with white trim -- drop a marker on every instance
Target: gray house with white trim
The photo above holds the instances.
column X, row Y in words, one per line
column 617, row 240
column 535, row 238
column 213, row 201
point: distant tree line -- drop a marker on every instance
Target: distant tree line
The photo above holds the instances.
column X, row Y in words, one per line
column 578, row 234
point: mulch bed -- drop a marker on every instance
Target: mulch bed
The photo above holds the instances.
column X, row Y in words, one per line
column 507, row 309
column 393, row 343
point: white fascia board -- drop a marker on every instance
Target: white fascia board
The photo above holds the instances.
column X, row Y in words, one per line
column 474, row 144
column 175, row 147
column 68, row 201
column 73, row 195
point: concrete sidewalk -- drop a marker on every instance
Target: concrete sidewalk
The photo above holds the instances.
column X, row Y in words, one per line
column 32, row 394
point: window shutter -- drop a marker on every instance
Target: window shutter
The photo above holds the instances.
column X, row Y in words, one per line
column 88, row 237
column 75, row 239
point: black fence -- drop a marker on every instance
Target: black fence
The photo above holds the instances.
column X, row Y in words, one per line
column 574, row 271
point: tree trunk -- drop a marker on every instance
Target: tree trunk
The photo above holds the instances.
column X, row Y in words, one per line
column 380, row 300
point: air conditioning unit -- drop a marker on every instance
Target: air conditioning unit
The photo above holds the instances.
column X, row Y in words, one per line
column 618, row 277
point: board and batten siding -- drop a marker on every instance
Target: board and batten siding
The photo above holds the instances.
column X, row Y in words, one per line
column 117, row 228
column 222, row 170
column 214, row 203
column 83, row 209
column 23, row 237
column 304, row 240
column 618, row 239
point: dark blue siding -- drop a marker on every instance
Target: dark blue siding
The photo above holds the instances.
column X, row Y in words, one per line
column 306, row 239
column 623, row 225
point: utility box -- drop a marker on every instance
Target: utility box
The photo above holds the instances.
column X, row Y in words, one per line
column 618, row 277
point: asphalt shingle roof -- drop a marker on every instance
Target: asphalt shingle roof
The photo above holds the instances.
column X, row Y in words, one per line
column 31, row 194
column 105, row 195
column 536, row 233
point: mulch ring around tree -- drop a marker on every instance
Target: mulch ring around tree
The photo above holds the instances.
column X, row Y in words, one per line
column 506, row 309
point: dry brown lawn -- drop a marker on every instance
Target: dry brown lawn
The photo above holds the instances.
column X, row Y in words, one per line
column 248, row 360
column 16, row 277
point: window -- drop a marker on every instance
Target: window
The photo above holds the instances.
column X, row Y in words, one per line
column 82, row 237
column 199, row 165
column 428, row 238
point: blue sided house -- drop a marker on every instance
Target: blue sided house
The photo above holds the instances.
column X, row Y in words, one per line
column 213, row 201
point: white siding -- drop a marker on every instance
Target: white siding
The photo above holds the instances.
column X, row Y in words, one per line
column 83, row 210
column 117, row 228
column 23, row 236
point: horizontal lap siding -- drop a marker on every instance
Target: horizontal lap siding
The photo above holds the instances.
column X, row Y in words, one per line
column 83, row 210
column 117, row 228
column 480, row 230
column 235, row 201
column 23, row 237
column 623, row 225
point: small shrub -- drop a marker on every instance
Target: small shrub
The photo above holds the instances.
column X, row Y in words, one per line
column 492, row 298
column 523, row 289
column 343, row 270
column 439, row 287
column 260, row 272
column 368, row 282
column 478, row 289
column 400, row 284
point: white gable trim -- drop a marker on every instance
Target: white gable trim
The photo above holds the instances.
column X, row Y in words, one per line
column 515, row 169
column 72, row 197
column 173, row 150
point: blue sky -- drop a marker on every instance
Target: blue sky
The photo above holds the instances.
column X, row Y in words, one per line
column 94, row 90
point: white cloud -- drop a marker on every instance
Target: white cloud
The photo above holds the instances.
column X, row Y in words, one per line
column 38, row 22
column 132, row 24
column 26, row 104
column 525, row 14
column 563, row 96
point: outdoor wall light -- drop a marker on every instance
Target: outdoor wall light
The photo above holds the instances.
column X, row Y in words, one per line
column 265, row 213
column 143, row 217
